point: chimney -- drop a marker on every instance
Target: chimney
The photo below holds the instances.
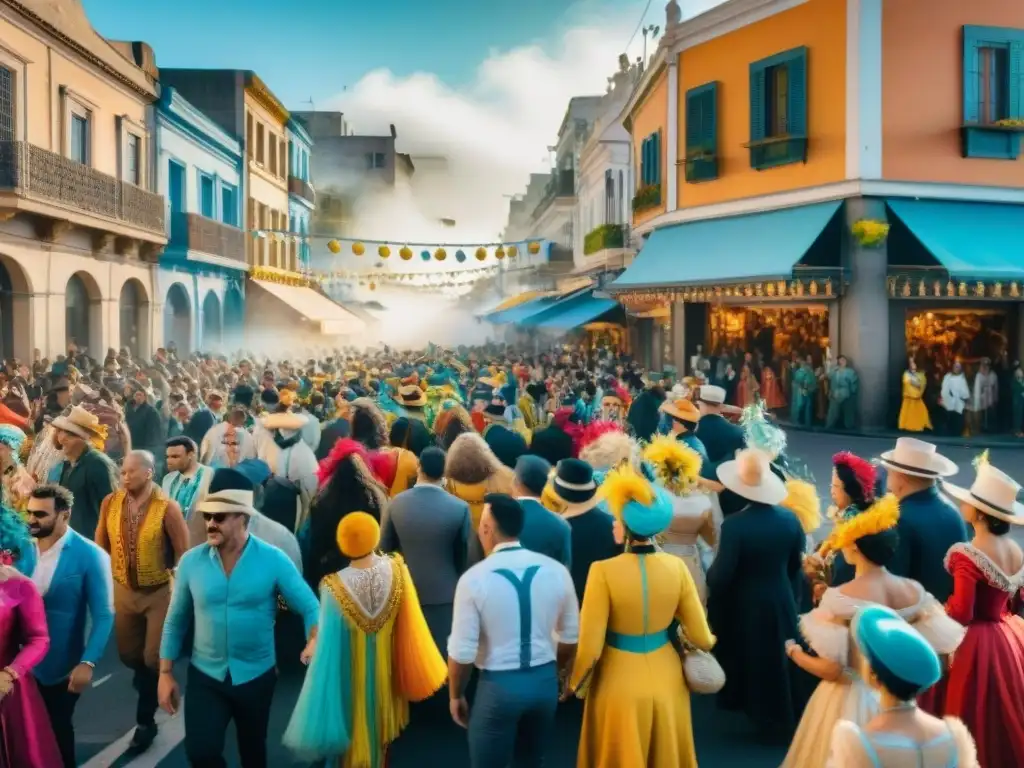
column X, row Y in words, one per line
column 394, row 133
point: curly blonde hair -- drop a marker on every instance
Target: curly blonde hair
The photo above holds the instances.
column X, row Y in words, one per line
column 470, row 460
column 611, row 450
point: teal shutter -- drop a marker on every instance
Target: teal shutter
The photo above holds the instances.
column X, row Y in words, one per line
column 657, row 157
column 643, row 162
column 971, row 64
column 694, row 123
column 796, row 104
column 709, row 119
column 648, row 144
column 757, row 118
column 1016, row 81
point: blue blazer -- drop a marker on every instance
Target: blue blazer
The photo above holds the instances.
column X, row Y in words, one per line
column 82, row 590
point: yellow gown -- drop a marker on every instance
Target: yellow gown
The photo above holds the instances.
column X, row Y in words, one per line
column 637, row 710
column 914, row 413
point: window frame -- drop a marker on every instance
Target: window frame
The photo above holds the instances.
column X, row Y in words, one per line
column 74, row 104
column 701, row 136
column 769, row 149
column 261, row 141
column 128, row 129
column 203, row 177
column 232, row 190
column 988, row 140
column 17, row 65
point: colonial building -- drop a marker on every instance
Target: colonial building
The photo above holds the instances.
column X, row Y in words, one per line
column 301, row 197
column 819, row 177
column 202, row 271
column 81, row 223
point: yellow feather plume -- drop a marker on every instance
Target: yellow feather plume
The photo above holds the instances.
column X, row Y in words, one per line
column 802, row 500
column 981, row 460
column 675, row 464
column 623, row 485
column 880, row 516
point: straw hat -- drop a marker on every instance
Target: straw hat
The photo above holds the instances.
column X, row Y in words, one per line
column 749, row 475
column 227, row 501
column 711, row 395
column 684, row 410
column 79, row 422
column 918, row 459
column 286, row 421
column 412, row 395
column 994, row 492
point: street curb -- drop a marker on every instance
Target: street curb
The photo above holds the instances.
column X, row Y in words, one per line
column 981, row 443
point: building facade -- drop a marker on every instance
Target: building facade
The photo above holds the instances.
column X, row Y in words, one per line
column 201, row 276
column 834, row 177
column 80, row 223
column 301, row 196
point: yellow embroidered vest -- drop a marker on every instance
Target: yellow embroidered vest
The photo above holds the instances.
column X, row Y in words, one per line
column 149, row 547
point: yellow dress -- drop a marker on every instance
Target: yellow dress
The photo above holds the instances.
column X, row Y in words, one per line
column 637, row 710
column 914, row 413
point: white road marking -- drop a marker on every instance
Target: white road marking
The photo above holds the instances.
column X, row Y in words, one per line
column 170, row 735
column 101, row 681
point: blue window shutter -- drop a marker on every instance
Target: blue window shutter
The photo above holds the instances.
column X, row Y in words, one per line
column 796, row 106
column 971, row 64
column 709, row 118
column 657, row 157
column 1016, row 82
column 694, row 124
column 757, row 118
column 644, row 163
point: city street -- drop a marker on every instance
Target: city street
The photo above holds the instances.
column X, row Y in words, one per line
column 104, row 716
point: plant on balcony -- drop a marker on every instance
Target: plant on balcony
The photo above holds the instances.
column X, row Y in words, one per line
column 870, row 233
column 701, row 164
column 605, row 236
column 647, row 197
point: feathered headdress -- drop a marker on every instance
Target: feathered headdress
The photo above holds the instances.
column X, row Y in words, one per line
column 14, row 439
column 377, row 463
column 624, row 486
column 863, row 471
column 981, row 460
column 760, row 433
column 676, row 466
column 883, row 515
column 802, row 500
column 596, row 429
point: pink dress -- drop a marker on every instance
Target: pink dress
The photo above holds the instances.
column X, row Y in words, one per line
column 26, row 738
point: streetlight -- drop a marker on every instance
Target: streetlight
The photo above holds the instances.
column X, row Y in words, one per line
column 651, row 30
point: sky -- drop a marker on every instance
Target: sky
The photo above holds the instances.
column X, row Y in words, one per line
column 485, row 83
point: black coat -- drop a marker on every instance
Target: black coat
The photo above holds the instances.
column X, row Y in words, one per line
column 721, row 439
column 929, row 525
column 551, row 443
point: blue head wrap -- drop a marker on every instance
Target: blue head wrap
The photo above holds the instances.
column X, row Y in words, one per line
column 14, row 439
column 14, row 534
column 760, row 433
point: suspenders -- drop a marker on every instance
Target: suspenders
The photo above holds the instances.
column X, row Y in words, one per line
column 525, row 611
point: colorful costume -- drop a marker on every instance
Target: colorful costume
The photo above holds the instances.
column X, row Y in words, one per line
column 914, row 413
column 17, row 482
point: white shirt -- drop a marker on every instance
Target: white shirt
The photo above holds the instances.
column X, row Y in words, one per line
column 46, row 567
column 955, row 392
column 485, row 624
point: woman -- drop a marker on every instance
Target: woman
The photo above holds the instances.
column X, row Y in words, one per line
column 637, row 709
column 373, row 655
column 604, row 445
column 914, row 413
column 899, row 664
column 748, row 388
column 17, row 482
column 472, row 471
column 396, row 468
column 676, row 469
column 771, row 391
column 451, row 422
column 868, row 541
column 985, row 684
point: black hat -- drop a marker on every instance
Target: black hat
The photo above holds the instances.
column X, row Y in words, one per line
column 495, row 409
column 243, row 394
column 574, row 481
column 532, row 473
column 270, row 397
column 229, row 480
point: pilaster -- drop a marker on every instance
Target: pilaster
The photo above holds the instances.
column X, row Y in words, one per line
column 672, row 136
column 679, row 337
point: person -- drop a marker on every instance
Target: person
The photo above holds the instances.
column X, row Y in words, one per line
column 395, row 467
column 752, row 603
column 281, row 446
column 431, row 530
column 913, row 412
column 227, row 590
column 804, row 384
column 15, row 481
column 955, row 395
column 868, row 541
column 145, row 534
column 85, row 471
column 898, row 663
column 843, row 389
column 543, row 530
column 186, row 481
column 721, row 439
column 261, row 526
column 929, row 525
column 684, row 417
column 507, row 610
column 373, row 655
column 985, row 682
column 73, row 576
column 472, row 471
column 637, row 709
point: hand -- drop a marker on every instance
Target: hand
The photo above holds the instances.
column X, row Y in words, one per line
column 459, row 709
column 567, row 693
column 6, row 683
column 81, row 676
column 167, row 693
column 790, row 645
column 307, row 653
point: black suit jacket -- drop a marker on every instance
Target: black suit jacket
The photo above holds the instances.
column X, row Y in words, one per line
column 721, row 439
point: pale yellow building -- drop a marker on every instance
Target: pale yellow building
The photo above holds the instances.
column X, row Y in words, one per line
column 266, row 144
column 80, row 230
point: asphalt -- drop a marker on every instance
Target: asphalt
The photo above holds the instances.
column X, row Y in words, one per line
column 105, row 713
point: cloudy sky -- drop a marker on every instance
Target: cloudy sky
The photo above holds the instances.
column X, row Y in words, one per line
column 484, row 83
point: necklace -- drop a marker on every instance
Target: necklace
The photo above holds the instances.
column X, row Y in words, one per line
column 906, row 706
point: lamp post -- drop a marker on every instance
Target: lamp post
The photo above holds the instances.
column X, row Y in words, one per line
column 652, row 31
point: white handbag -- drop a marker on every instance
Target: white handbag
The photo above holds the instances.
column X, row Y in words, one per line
column 702, row 671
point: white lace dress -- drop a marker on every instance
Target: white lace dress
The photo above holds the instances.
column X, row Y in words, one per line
column 826, row 630
column 856, row 748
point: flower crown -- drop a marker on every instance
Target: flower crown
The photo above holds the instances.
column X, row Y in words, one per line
column 676, row 466
column 881, row 516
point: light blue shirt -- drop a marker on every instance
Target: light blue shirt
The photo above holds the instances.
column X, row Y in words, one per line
column 234, row 616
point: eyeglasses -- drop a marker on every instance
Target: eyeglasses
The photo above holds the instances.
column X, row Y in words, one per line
column 218, row 517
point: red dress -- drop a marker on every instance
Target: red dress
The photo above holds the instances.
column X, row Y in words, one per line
column 771, row 392
column 985, row 685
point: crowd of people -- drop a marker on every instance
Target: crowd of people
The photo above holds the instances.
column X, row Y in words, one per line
column 498, row 535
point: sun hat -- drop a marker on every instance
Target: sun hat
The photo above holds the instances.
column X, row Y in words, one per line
column 918, row 459
column 886, row 640
column 412, row 396
column 358, row 535
column 227, row 501
column 749, row 476
column 993, row 492
column 642, row 508
column 286, row 421
column 79, row 422
column 681, row 409
column 574, row 481
column 711, row 395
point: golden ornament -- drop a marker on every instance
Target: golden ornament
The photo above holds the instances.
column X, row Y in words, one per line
column 533, row 248
column 512, row 251
column 440, row 254
column 814, row 288
column 499, row 253
column 358, row 249
column 828, row 287
column 950, row 289
column 906, row 289
column 383, row 251
column 481, row 254
column 962, row 289
column 921, row 289
column 373, row 286
column 405, row 253
column 334, row 246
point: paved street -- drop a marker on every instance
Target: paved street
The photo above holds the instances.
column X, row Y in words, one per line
column 104, row 717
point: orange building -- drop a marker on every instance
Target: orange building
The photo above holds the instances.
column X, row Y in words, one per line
column 833, row 177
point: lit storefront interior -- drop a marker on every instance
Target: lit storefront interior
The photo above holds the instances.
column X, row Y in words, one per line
column 777, row 332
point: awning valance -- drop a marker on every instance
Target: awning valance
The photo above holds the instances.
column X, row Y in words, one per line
column 736, row 249
column 573, row 313
column 333, row 319
column 522, row 311
column 973, row 241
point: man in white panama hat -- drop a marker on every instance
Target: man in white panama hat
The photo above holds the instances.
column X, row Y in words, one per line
column 721, row 438
column 929, row 525
column 86, row 472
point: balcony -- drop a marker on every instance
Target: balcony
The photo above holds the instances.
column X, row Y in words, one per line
column 561, row 185
column 192, row 232
column 64, row 193
column 300, row 188
column 603, row 238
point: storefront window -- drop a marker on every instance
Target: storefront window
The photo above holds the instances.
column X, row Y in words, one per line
column 776, row 332
column 937, row 338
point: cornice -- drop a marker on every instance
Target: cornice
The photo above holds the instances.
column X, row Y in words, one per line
column 174, row 103
column 263, row 96
column 295, row 128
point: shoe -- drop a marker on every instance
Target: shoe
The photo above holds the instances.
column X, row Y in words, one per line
column 142, row 739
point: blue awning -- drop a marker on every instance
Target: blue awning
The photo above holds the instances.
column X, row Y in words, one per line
column 758, row 246
column 572, row 313
column 971, row 240
column 522, row 311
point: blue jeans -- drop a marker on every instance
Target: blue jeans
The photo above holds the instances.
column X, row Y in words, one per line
column 513, row 717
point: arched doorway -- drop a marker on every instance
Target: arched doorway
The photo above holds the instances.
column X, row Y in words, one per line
column 212, row 335
column 178, row 320
column 132, row 306
column 234, row 315
column 82, row 314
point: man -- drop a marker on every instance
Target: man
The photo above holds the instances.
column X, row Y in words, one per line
column 143, row 419
column 844, row 386
column 721, row 439
column 507, row 610
column 507, row 444
column 232, row 673
column 954, row 395
column 683, row 420
column 543, row 530
column 186, row 481
column 73, row 576
column 430, row 528
column 137, row 523
column 87, row 473
column 929, row 525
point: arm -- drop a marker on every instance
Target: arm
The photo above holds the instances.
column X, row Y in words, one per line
column 102, row 536
column 99, row 596
column 690, row 612
column 820, row 667
column 176, row 530
column 35, row 639
column 296, row 592
column 593, row 627
column 179, row 616
column 464, row 640
column 568, row 625
column 960, row 605
column 388, row 535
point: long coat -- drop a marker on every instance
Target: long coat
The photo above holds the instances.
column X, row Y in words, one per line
column 721, row 440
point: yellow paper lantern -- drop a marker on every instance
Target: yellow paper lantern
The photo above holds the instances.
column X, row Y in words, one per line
column 383, row 251
column 499, row 252
column 405, row 253
column 533, row 248
column 512, row 251
column 334, row 246
column 440, row 254
column 481, row 254
column 373, row 286
column 358, row 249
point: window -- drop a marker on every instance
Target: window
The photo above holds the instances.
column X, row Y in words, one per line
column 375, row 160
column 273, row 155
column 702, row 133
column 7, row 102
column 248, row 135
column 993, row 92
column 207, row 206
column 304, row 170
column 993, row 82
column 78, row 146
column 650, row 160
column 778, row 110
column 283, row 158
column 228, row 205
column 133, row 160
column 261, row 141
column 609, row 197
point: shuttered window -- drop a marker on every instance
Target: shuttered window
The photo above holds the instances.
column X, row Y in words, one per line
column 702, row 133
column 778, row 109
column 993, row 92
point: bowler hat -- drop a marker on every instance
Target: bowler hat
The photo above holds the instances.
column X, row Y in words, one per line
column 574, row 481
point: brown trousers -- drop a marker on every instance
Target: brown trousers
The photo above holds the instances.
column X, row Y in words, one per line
column 139, row 622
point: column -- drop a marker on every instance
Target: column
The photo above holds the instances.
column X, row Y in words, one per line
column 657, row 342
column 679, row 337
column 864, row 314
column 672, row 136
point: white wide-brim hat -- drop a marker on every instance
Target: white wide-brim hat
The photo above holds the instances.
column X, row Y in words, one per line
column 750, row 475
column 917, row 458
column 711, row 394
column 227, row 501
column 994, row 492
column 286, row 421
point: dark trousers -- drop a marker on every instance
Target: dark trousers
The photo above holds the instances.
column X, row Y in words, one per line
column 513, row 717
column 213, row 704
column 954, row 423
column 145, row 680
column 60, row 706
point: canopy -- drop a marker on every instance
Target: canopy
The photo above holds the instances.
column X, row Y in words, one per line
column 522, row 311
column 333, row 319
column 573, row 313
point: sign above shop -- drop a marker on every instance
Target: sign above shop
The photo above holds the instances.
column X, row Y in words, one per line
column 918, row 287
column 778, row 289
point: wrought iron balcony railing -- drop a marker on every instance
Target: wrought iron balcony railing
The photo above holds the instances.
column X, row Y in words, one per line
column 190, row 231
column 300, row 188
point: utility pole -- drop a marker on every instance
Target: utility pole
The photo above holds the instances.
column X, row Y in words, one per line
column 652, row 31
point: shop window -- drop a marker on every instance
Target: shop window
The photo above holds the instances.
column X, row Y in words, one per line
column 773, row 334
column 702, row 133
column 778, row 110
column 993, row 92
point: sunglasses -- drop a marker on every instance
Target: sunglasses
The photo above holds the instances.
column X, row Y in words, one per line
column 218, row 517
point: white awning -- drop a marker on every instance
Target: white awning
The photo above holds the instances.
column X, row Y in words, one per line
column 333, row 318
